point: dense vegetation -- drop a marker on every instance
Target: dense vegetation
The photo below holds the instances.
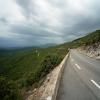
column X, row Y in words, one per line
column 23, row 68
column 28, row 67
column 9, row 90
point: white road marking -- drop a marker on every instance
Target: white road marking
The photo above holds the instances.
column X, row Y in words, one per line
column 96, row 84
column 49, row 98
column 78, row 66
column 72, row 59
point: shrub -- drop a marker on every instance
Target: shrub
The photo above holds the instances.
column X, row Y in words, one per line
column 8, row 90
column 47, row 65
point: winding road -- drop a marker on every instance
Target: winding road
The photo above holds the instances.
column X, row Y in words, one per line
column 80, row 79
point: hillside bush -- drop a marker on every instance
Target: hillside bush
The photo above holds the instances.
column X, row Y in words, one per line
column 8, row 90
column 49, row 63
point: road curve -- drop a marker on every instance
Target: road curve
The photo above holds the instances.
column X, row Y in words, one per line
column 80, row 79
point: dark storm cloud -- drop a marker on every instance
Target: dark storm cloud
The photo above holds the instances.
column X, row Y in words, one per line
column 26, row 6
column 7, row 42
column 3, row 20
column 33, row 31
column 83, row 26
column 35, row 22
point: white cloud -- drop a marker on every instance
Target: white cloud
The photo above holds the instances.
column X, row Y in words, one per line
column 10, row 10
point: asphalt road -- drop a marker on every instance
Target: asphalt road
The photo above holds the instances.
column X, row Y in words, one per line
column 80, row 79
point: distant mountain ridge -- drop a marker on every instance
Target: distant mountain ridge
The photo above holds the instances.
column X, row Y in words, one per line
column 90, row 38
column 28, row 47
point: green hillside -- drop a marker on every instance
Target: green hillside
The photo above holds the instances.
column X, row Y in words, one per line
column 27, row 68
column 24, row 68
column 89, row 39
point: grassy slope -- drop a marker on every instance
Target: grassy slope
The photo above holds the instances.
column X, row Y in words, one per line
column 89, row 39
column 17, row 66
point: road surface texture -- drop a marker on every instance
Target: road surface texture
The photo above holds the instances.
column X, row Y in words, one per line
column 80, row 79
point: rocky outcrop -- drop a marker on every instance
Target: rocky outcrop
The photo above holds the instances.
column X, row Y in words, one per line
column 92, row 50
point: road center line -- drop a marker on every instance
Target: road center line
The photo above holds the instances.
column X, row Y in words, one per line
column 96, row 84
column 72, row 59
column 78, row 66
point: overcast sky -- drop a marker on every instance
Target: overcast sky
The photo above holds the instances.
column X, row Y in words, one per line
column 37, row 22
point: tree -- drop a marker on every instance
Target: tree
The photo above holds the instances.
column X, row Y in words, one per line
column 8, row 90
